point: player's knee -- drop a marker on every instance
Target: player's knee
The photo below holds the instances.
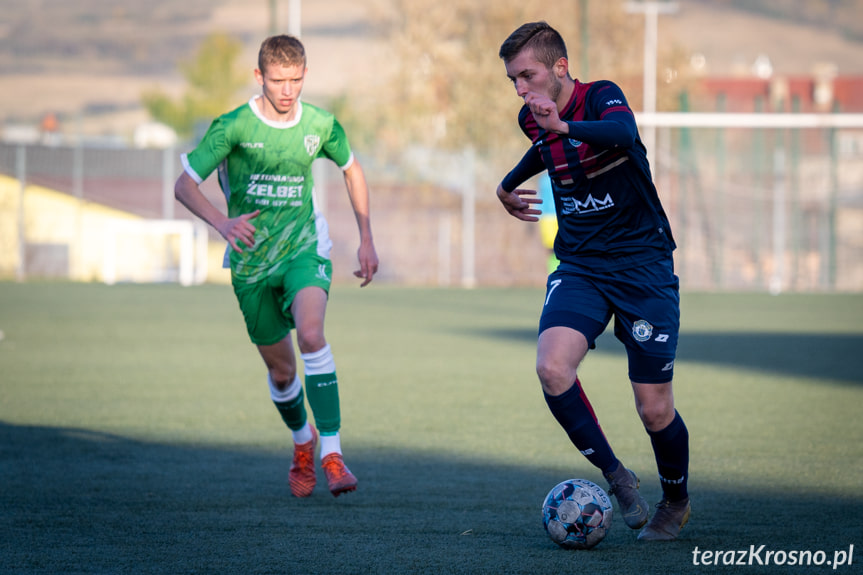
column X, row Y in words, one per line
column 656, row 415
column 310, row 340
column 282, row 372
column 282, row 377
column 555, row 377
column 283, row 391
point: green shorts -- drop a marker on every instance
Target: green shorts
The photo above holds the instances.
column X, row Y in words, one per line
column 266, row 304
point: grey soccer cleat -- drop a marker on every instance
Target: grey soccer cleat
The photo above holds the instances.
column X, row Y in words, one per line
column 623, row 484
column 667, row 522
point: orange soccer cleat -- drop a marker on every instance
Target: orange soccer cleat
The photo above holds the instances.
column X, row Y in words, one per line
column 339, row 477
column 302, row 474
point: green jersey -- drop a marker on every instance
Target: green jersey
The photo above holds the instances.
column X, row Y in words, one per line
column 267, row 166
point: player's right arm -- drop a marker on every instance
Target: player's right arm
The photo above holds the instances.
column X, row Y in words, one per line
column 198, row 164
column 511, row 196
column 234, row 230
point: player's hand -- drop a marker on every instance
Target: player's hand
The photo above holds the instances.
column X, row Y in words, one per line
column 518, row 206
column 544, row 111
column 239, row 229
column 368, row 259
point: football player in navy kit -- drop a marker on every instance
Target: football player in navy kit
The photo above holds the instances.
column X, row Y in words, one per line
column 615, row 249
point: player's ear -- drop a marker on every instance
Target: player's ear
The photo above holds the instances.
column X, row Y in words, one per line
column 561, row 67
column 259, row 76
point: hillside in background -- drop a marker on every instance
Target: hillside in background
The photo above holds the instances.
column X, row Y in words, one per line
column 831, row 16
column 120, row 37
column 89, row 61
column 796, row 35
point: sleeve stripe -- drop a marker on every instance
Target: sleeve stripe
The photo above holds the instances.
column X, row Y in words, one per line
column 349, row 163
column 614, row 109
column 189, row 170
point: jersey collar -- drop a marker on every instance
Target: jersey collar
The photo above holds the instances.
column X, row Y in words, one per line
column 253, row 104
column 570, row 106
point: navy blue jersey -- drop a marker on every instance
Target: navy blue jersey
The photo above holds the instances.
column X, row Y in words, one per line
column 608, row 211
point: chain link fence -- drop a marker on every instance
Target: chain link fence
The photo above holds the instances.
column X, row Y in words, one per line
column 752, row 208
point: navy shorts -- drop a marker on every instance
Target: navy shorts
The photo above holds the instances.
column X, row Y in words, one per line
column 645, row 304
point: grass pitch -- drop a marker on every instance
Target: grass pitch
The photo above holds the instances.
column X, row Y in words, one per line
column 137, row 435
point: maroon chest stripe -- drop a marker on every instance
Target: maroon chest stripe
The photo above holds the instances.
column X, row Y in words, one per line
column 567, row 163
column 564, row 169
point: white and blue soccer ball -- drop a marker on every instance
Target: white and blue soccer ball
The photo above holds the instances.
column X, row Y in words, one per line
column 577, row 514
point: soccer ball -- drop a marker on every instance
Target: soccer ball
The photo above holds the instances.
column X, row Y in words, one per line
column 576, row 514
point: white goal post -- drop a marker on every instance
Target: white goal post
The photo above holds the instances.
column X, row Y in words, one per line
column 151, row 251
column 648, row 122
column 762, row 199
column 744, row 120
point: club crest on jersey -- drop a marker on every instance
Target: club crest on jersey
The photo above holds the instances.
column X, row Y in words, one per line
column 312, row 143
column 575, row 143
column 641, row 330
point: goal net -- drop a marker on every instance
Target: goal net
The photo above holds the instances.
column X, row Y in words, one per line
column 761, row 201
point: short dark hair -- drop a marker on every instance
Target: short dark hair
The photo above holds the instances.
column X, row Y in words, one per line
column 282, row 50
column 547, row 44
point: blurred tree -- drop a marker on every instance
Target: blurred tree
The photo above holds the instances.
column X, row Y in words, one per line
column 213, row 79
column 445, row 86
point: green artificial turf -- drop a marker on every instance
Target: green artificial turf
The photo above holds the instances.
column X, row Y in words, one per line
column 137, row 435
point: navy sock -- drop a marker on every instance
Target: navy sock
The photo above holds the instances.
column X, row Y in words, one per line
column 671, row 449
column 575, row 415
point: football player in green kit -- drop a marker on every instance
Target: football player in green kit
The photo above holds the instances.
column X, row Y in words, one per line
column 279, row 244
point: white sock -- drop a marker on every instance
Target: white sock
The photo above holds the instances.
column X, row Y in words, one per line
column 303, row 435
column 330, row 444
column 289, row 393
column 319, row 362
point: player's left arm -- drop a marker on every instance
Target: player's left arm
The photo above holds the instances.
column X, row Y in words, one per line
column 358, row 191
column 337, row 148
